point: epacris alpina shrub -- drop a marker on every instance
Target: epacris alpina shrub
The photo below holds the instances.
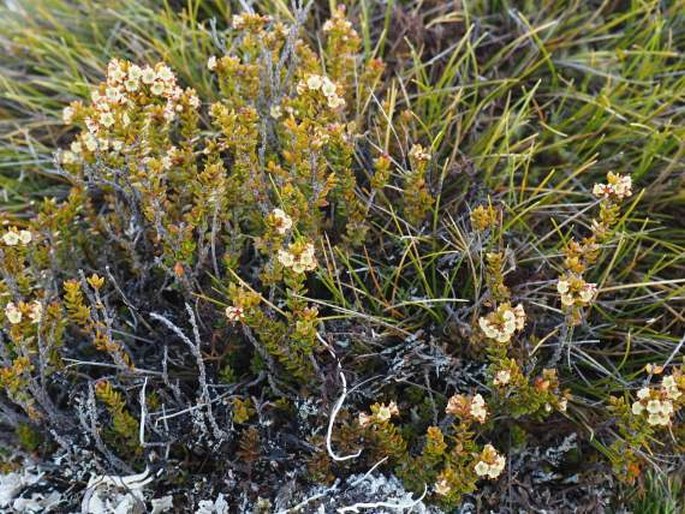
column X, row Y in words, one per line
column 648, row 422
column 240, row 190
column 171, row 285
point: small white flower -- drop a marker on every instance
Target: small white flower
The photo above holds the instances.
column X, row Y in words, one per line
column 158, row 88
column 211, row 63
column 115, row 73
column 385, row 412
column 328, row 26
column 114, row 94
column 135, row 72
column 666, row 408
column 668, row 382
column 670, row 386
column 234, row 314
column 106, row 119
column 334, row 101
column 498, row 466
column 12, row 313
column 131, row 84
column 36, row 312
column 658, row 419
column 588, row 292
column 11, row 238
column 275, row 111
column 643, row 393
column 308, row 257
column 194, row 101
column 520, row 315
column 283, row 222
column 478, row 409
column 238, row 21
column 364, row 419
column 575, row 291
column 68, row 115
column 25, row 236
column 286, row 258
column 502, row 377
column 169, row 113
column 314, row 82
column 563, row 286
column 482, row 468
column 148, row 75
column 164, row 73
column 92, row 125
column 328, row 87
column 68, row 157
column 653, row 406
column 442, row 487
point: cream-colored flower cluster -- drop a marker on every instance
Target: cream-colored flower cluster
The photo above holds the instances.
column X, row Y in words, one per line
column 338, row 23
column 276, row 112
column 672, row 387
column 502, row 378
column 467, row 407
column 14, row 236
column 127, row 87
column 658, row 404
column 246, row 20
column 501, row 324
column 419, row 153
column 238, row 21
column 658, row 411
column 490, row 463
column 380, row 413
column 442, row 487
column 575, row 291
column 327, row 87
column 618, row 187
column 15, row 313
column 299, row 257
column 281, row 222
column 234, row 314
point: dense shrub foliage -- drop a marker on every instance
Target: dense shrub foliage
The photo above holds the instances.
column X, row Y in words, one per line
column 308, row 263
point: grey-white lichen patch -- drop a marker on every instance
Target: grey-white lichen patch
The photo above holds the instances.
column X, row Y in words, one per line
column 25, row 491
column 370, row 493
column 217, row 506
